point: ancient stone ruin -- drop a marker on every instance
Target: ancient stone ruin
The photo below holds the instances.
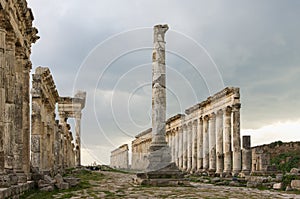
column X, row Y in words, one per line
column 205, row 139
column 52, row 149
column 51, row 146
column 119, row 157
column 16, row 37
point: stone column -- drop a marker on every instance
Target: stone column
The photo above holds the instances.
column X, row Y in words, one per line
column 2, row 93
column 11, row 158
column 173, row 145
column 176, row 146
column 205, row 144
column 200, row 145
column 227, row 140
column 236, row 139
column 180, row 147
column 212, row 142
column 159, row 156
column 184, row 148
column 194, row 146
column 77, row 139
column 219, row 146
column 246, row 155
column 26, row 117
column 189, row 147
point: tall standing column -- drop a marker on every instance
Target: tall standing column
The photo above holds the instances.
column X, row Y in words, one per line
column 236, row 138
column 184, row 148
column 173, row 145
column 200, row 145
column 205, row 144
column 219, row 146
column 189, row 147
column 77, row 139
column 180, row 147
column 194, row 146
column 212, row 142
column 227, row 140
column 2, row 93
column 176, row 146
column 159, row 151
column 246, row 155
column 26, row 117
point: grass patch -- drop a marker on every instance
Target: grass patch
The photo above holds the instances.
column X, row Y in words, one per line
column 85, row 177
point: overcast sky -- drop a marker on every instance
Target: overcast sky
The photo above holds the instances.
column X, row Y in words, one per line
column 104, row 48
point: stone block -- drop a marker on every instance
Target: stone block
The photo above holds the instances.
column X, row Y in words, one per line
column 49, row 180
column 295, row 171
column 72, row 181
column 277, row 186
column 64, row 185
column 295, row 184
column 47, row 188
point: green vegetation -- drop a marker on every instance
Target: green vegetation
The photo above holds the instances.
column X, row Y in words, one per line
column 84, row 175
column 286, row 180
column 286, row 161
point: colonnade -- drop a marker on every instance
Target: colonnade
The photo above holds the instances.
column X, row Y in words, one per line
column 119, row 157
column 204, row 139
column 16, row 37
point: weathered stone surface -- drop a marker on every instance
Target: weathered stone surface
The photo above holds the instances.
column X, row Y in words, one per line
column 72, row 181
column 47, row 188
column 64, row 185
column 295, row 184
column 277, row 186
column 120, row 158
column 295, row 171
column 58, row 180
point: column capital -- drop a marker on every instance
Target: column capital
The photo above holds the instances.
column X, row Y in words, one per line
column 227, row 110
column 219, row 112
column 10, row 40
column 206, row 118
column 212, row 115
column 236, row 107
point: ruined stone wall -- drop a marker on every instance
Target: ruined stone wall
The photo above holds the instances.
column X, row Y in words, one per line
column 205, row 138
column 44, row 127
column 262, row 155
column 119, row 157
column 52, row 143
column 16, row 37
column 140, row 150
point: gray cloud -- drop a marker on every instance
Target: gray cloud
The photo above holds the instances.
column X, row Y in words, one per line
column 255, row 45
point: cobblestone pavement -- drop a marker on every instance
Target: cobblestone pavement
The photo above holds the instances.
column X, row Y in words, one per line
column 118, row 185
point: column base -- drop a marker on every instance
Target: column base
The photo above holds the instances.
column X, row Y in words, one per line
column 159, row 157
column 167, row 176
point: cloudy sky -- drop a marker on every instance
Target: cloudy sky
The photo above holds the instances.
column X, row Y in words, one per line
column 104, row 48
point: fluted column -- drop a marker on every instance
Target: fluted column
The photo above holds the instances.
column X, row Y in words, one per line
column 180, row 147
column 160, row 153
column 189, row 147
column 212, row 142
column 2, row 93
column 219, row 145
column 200, row 145
column 184, row 148
column 205, row 144
column 173, row 146
column 194, row 146
column 246, row 155
column 236, row 139
column 78, row 139
column 227, row 140
column 176, row 146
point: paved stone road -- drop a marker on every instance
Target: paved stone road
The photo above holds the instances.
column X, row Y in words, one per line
column 118, row 185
